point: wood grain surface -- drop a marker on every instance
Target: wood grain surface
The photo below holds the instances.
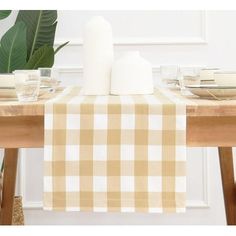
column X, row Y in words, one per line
column 195, row 106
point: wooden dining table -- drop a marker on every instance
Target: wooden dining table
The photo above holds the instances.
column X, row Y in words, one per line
column 210, row 123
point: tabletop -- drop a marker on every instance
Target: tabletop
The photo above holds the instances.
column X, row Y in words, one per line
column 210, row 123
column 195, row 106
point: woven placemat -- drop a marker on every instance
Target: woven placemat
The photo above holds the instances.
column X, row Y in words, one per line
column 18, row 214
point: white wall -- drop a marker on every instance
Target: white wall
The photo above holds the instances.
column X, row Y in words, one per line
column 193, row 38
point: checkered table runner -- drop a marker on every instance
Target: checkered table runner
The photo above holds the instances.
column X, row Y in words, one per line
column 115, row 153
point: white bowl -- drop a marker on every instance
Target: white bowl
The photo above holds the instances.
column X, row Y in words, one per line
column 207, row 74
column 7, row 80
column 225, row 78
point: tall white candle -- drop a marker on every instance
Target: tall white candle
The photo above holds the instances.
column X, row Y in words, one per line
column 98, row 56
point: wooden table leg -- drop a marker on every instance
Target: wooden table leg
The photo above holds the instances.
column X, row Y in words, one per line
column 228, row 183
column 9, row 182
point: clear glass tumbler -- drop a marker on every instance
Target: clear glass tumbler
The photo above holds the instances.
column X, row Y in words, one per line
column 188, row 76
column 27, row 84
column 169, row 75
column 49, row 78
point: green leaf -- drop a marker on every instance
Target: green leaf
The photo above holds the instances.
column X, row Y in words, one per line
column 13, row 50
column 60, row 47
column 4, row 14
column 41, row 27
column 43, row 57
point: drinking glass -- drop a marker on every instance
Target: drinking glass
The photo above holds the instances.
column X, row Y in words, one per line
column 49, row 78
column 188, row 76
column 169, row 75
column 27, row 84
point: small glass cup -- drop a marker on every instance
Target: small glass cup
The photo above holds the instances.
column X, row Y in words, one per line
column 49, row 78
column 27, row 84
column 188, row 76
column 169, row 75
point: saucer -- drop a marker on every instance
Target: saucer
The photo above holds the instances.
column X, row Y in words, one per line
column 212, row 91
column 9, row 92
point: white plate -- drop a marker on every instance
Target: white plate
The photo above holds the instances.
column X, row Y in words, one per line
column 9, row 92
column 212, row 91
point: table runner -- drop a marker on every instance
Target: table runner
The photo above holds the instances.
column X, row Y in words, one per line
column 115, row 153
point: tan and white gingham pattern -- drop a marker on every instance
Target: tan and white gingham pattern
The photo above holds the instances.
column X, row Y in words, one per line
column 115, row 153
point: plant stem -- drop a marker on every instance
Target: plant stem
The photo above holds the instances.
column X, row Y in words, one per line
column 2, row 167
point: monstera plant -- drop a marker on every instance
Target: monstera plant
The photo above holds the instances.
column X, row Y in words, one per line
column 28, row 44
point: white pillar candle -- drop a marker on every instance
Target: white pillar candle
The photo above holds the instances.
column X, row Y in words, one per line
column 98, row 56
